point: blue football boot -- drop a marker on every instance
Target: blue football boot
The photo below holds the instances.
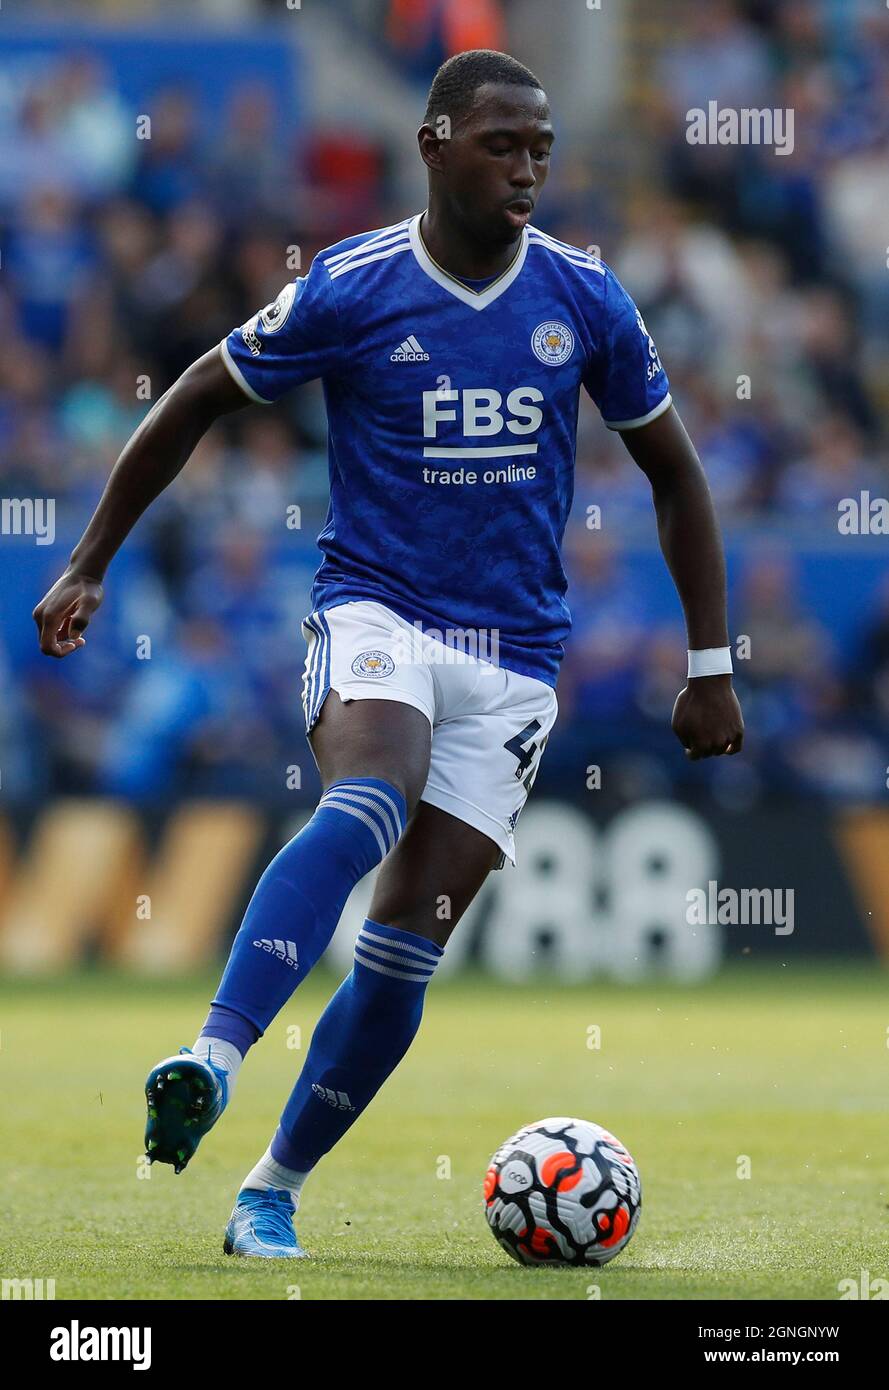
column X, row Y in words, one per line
column 262, row 1225
column 185, row 1096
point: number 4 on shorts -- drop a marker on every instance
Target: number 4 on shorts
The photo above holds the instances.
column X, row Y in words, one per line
column 523, row 747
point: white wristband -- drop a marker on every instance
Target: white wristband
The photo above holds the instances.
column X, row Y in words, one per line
column 710, row 661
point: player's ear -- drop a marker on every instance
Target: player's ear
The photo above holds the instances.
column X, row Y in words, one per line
column 430, row 145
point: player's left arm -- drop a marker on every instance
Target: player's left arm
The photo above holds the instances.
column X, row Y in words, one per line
column 706, row 717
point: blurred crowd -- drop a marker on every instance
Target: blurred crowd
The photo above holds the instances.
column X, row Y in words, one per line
column 762, row 276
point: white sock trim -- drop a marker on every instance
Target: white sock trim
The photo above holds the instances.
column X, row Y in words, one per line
column 224, row 1054
column 268, row 1173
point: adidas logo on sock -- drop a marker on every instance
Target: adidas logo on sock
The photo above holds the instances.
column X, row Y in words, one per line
column 409, row 351
column 338, row 1099
column 283, row 950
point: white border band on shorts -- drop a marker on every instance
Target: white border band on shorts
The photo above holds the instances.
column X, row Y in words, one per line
column 473, row 815
column 349, row 691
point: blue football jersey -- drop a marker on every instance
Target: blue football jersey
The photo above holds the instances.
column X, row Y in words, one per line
column 452, row 422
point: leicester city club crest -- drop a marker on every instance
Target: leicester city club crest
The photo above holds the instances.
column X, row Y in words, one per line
column 552, row 342
column 373, row 664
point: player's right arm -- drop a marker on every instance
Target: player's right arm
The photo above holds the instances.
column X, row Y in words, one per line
column 152, row 458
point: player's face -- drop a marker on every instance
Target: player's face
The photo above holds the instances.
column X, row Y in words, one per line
column 495, row 165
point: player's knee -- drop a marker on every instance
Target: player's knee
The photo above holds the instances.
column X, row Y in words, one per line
column 409, row 786
column 436, row 932
column 405, row 787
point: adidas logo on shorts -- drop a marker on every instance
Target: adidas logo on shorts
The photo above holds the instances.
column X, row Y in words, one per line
column 409, row 351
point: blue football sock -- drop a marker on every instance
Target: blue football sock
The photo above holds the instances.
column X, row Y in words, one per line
column 298, row 902
column 231, row 1027
column 360, row 1038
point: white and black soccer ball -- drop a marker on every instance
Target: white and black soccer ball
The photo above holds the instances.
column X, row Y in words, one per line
column 562, row 1192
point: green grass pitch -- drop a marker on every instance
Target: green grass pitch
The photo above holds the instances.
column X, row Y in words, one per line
column 788, row 1066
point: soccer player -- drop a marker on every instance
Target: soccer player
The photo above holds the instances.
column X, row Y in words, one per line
column 452, row 347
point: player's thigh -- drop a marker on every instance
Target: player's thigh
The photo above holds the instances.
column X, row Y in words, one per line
column 432, row 875
column 369, row 711
column 373, row 738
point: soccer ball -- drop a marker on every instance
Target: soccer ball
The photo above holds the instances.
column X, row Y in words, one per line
column 562, row 1192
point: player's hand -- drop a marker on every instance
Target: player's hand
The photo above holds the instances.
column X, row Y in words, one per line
column 707, row 718
column 63, row 614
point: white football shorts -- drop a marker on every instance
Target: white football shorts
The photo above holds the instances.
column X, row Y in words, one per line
column 489, row 725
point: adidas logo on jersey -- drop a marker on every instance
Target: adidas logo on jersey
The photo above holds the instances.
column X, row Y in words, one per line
column 284, row 950
column 409, row 351
column 338, row 1099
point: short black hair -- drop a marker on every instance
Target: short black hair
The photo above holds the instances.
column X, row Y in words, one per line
column 455, row 84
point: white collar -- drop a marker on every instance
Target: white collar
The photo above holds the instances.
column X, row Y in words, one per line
column 455, row 287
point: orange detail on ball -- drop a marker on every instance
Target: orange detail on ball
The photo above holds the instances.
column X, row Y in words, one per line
column 621, row 1226
column 551, row 1174
column 542, row 1243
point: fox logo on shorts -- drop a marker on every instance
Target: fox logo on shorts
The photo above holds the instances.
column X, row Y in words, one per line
column 373, row 664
